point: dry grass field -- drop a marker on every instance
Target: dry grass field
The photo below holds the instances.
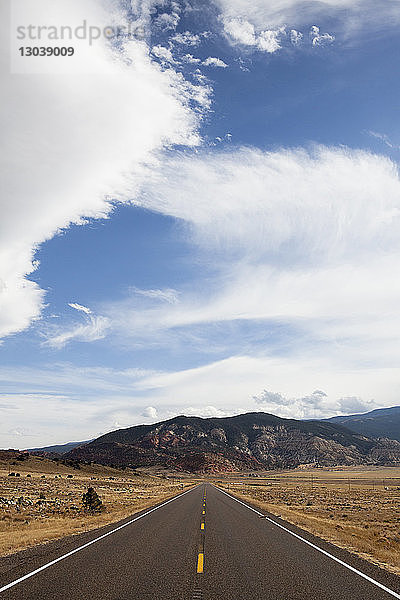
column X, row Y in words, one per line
column 44, row 502
column 356, row 509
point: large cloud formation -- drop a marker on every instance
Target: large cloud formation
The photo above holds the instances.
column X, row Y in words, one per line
column 71, row 140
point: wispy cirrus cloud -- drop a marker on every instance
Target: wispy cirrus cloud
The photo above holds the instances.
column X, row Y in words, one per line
column 384, row 138
column 93, row 328
column 165, row 295
column 306, row 240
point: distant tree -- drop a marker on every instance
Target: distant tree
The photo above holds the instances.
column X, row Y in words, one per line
column 91, row 501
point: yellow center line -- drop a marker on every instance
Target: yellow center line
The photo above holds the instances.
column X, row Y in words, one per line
column 200, row 562
column 202, row 526
column 204, row 512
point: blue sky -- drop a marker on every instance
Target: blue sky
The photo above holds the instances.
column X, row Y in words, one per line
column 203, row 221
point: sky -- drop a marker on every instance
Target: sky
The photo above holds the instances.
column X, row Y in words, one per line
column 200, row 212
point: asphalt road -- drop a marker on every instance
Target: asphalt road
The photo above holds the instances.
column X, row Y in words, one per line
column 203, row 545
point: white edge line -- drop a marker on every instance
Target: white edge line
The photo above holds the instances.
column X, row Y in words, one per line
column 101, row 537
column 373, row 581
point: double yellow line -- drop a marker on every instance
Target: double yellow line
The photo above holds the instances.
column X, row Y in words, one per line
column 200, row 557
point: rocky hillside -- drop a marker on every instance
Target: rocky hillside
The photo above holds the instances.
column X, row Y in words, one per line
column 244, row 442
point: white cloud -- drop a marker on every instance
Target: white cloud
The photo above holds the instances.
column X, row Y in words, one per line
column 163, row 53
column 165, row 295
column 167, row 20
column 267, row 397
column 150, row 412
column 186, row 39
column 320, row 39
column 270, row 40
column 296, row 37
column 214, row 62
column 317, row 405
column 94, row 328
column 354, row 404
column 63, row 140
column 243, row 32
column 189, row 58
column 76, row 306
column 206, row 412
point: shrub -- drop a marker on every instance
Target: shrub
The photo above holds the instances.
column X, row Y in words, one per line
column 91, row 501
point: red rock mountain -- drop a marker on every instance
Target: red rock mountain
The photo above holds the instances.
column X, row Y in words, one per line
column 244, row 442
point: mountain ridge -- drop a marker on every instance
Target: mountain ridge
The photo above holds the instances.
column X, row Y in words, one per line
column 243, row 442
column 58, row 448
column 380, row 422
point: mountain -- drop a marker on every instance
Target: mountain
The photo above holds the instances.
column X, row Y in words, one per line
column 243, row 442
column 383, row 422
column 58, row 449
